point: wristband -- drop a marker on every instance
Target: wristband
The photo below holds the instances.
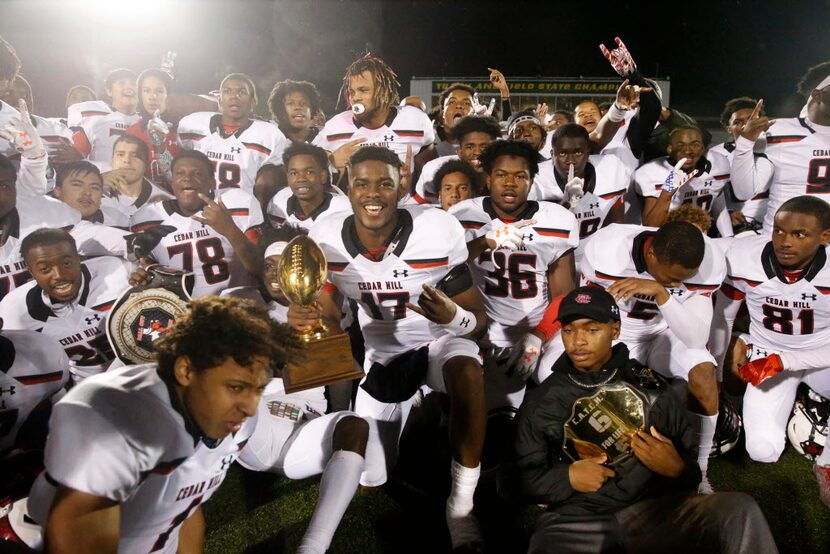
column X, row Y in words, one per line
column 615, row 113
column 550, row 324
column 462, row 324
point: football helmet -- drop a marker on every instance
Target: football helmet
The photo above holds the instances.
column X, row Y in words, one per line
column 727, row 429
column 17, row 527
column 807, row 428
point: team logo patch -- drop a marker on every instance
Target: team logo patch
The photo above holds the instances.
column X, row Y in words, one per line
column 583, row 299
column 284, row 410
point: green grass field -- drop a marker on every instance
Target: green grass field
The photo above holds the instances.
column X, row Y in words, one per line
column 255, row 513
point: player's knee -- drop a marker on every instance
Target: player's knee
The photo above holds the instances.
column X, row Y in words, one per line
column 703, row 381
column 463, row 374
column 351, row 433
column 764, row 451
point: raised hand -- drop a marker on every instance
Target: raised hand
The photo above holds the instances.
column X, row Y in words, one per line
column 406, row 170
column 757, row 123
column 677, row 177
column 574, row 189
column 168, row 61
column 434, row 305
column 216, row 216
column 619, row 58
column 628, row 96
column 510, row 236
column 340, row 157
column 20, row 132
column 497, row 78
column 157, row 129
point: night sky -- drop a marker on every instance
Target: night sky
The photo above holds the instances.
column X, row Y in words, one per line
column 712, row 51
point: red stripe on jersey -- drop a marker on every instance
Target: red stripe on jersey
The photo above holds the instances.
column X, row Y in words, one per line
column 547, row 232
column 693, row 287
column 419, row 199
column 238, row 212
column 81, row 142
column 592, row 284
column 471, row 224
column 602, row 275
column 610, row 195
column 337, row 266
column 428, row 263
column 658, row 186
column 823, row 290
column 409, row 133
column 192, row 136
column 747, row 281
column 338, row 136
column 328, row 288
column 40, row 379
column 144, row 226
column 784, row 138
column 721, row 177
column 104, row 307
column 93, row 113
column 731, row 292
column 258, row 147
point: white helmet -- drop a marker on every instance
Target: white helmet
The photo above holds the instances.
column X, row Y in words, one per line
column 807, row 429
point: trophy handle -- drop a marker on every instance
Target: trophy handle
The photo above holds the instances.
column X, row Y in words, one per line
column 319, row 331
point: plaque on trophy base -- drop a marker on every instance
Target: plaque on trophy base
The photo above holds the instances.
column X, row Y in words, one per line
column 325, row 361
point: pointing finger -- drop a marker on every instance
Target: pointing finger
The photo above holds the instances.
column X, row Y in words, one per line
column 680, row 163
column 656, row 434
column 757, row 110
column 570, row 172
column 206, row 199
column 524, row 223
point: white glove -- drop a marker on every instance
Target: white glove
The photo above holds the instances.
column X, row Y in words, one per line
column 168, row 61
column 525, row 356
column 22, row 134
column 677, row 177
column 510, row 236
column 619, row 58
column 574, row 189
column 157, row 129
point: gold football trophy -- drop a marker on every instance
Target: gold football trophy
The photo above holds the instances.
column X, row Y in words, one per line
column 326, row 358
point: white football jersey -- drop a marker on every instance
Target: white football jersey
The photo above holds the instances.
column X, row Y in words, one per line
column 618, row 252
column 97, row 136
column 79, row 326
column 31, row 371
column 52, row 132
column 76, row 114
column 426, row 245
column 285, row 208
column 702, row 190
column 756, row 207
column 783, row 316
column 192, row 246
column 113, row 201
column 516, row 295
column 139, row 450
column 236, row 156
column 405, row 126
column 426, row 192
column 800, row 153
column 6, row 113
column 13, row 269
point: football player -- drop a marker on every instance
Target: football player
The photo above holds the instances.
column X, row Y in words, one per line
column 472, row 134
column 796, row 150
column 527, row 127
column 521, row 255
column 710, row 174
column 237, row 145
column 418, row 310
column 68, row 300
column 294, row 105
column 783, row 280
column 80, row 186
column 370, row 90
column 663, row 280
column 126, row 187
column 100, row 124
column 197, row 231
column 456, row 180
column 308, row 196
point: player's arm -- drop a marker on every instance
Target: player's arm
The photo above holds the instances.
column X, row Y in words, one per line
column 615, row 214
column 219, row 218
column 689, row 321
column 81, row 523
column 751, row 174
column 562, row 275
column 192, row 534
column 454, row 304
column 656, row 210
column 728, row 301
column 327, row 308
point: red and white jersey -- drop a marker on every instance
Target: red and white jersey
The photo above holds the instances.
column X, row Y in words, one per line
column 97, row 135
column 800, row 154
column 405, row 126
column 36, row 212
column 426, row 245
column 756, row 207
column 426, row 192
column 139, row 450
column 78, row 327
column 13, row 269
column 515, row 295
column 618, row 252
column 236, row 156
column 713, row 175
column 76, row 114
column 127, row 205
column 31, row 371
column 784, row 316
column 284, row 208
column 192, row 246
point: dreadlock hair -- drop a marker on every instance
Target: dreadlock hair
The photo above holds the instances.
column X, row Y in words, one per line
column 812, row 78
column 9, row 62
column 735, row 104
column 384, row 77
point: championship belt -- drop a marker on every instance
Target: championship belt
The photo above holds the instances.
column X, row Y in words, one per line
column 605, row 421
column 143, row 314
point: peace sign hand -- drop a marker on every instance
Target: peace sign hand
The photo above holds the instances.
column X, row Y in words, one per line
column 619, row 58
column 216, row 216
column 757, row 123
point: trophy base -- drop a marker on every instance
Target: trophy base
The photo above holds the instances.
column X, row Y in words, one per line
column 325, row 361
column 314, row 334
